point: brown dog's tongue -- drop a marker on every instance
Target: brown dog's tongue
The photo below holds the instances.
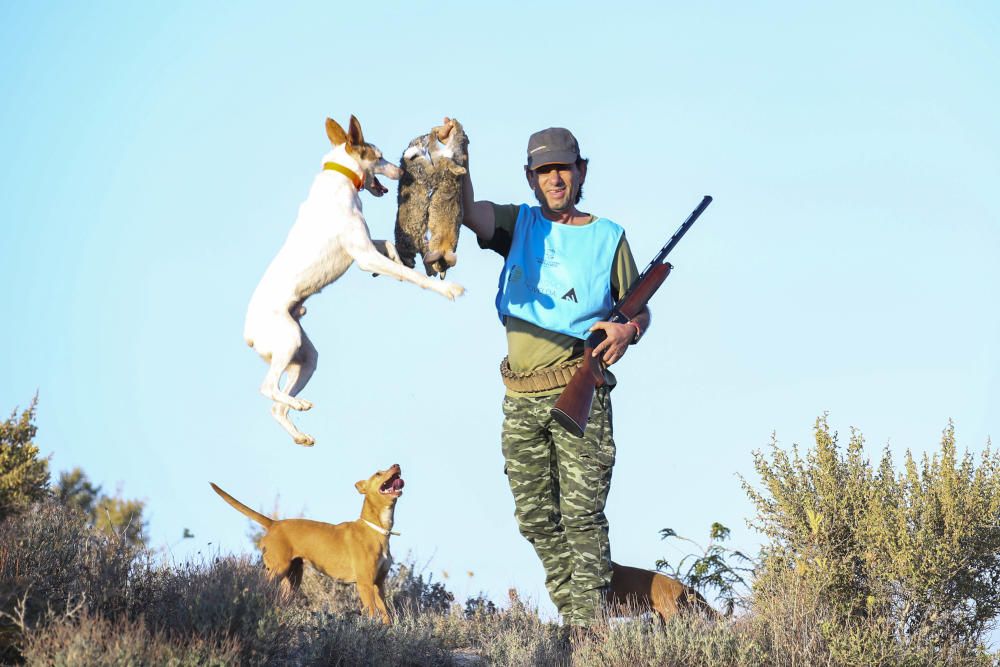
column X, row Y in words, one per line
column 397, row 484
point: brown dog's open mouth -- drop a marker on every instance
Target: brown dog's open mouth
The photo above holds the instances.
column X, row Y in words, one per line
column 393, row 486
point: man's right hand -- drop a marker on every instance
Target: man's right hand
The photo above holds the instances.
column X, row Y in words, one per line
column 442, row 131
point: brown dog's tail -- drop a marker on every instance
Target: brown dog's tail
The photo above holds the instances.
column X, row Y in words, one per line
column 243, row 509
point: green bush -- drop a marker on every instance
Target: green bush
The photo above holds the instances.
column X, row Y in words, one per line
column 916, row 553
column 24, row 477
column 715, row 571
column 112, row 515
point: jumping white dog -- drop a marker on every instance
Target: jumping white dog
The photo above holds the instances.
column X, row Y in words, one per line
column 329, row 234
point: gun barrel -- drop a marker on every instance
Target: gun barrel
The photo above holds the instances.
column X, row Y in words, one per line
column 572, row 409
column 681, row 231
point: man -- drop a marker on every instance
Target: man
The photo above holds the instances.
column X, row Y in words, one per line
column 564, row 270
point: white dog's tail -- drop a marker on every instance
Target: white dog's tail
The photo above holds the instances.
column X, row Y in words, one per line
column 243, row 509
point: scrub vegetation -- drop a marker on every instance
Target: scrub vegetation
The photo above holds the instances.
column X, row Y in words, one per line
column 862, row 564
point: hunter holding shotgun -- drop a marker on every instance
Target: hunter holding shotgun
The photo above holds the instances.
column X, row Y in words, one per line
column 564, row 270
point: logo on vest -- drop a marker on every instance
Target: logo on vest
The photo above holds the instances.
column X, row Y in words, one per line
column 548, row 259
column 570, row 296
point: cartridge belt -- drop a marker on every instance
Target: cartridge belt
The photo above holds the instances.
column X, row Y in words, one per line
column 542, row 379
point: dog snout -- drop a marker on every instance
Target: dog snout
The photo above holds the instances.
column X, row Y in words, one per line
column 389, row 170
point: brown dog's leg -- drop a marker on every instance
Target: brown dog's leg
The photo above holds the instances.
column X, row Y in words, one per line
column 280, row 564
column 294, row 574
column 380, row 603
column 291, row 579
column 369, row 595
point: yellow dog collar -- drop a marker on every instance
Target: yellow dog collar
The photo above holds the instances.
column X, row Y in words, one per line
column 350, row 173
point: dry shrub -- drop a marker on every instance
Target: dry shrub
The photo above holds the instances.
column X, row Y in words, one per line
column 687, row 639
column 53, row 566
column 796, row 624
column 92, row 600
column 324, row 638
column 424, row 632
column 227, row 597
column 788, row 631
column 517, row 636
column 93, row 640
column 856, row 573
column 51, row 561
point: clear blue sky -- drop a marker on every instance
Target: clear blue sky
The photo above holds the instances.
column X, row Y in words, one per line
column 154, row 156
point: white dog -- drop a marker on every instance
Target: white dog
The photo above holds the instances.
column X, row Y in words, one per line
column 329, row 234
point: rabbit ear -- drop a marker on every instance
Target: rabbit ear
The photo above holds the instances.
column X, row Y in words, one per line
column 335, row 132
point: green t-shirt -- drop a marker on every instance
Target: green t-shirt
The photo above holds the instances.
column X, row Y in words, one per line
column 530, row 347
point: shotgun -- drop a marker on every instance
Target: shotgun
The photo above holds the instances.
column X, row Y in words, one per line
column 573, row 407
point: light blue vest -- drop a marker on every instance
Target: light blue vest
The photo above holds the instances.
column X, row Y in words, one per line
column 558, row 276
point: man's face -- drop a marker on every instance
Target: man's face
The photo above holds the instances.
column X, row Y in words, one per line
column 556, row 185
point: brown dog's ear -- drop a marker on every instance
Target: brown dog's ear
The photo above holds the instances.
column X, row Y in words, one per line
column 355, row 138
column 335, row 132
column 361, row 485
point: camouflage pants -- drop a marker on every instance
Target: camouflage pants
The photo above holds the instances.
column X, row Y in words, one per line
column 560, row 485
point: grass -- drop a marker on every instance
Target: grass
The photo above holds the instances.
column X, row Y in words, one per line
column 70, row 596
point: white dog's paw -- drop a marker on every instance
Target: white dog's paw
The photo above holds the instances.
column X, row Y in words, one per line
column 292, row 402
column 305, row 440
column 391, row 253
column 449, row 290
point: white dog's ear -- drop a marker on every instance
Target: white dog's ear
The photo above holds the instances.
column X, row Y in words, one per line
column 361, row 485
column 335, row 132
column 355, row 138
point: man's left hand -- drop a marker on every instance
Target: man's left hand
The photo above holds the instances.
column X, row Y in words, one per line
column 619, row 337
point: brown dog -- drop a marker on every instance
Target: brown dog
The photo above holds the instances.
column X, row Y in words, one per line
column 354, row 551
column 635, row 589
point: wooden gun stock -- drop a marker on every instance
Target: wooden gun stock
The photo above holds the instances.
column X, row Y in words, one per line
column 572, row 409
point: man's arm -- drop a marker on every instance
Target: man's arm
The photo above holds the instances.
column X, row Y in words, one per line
column 477, row 215
column 620, row 336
